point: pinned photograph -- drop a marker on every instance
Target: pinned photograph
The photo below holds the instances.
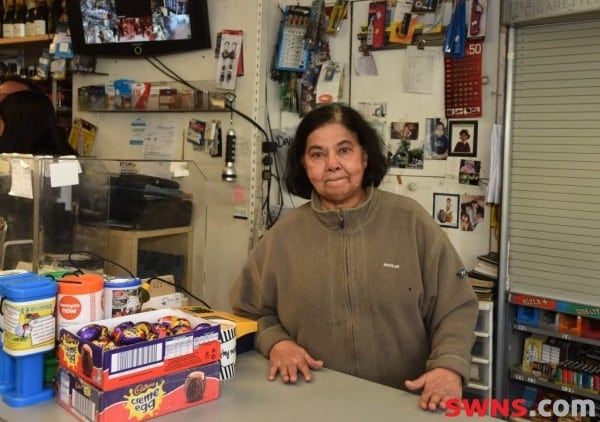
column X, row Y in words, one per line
column 405, row 154
column 371, row 109
column 436, row 138
column 463, row 138
column 405, row 131
column 469, row 172
column 446, row 209
column 472, row 211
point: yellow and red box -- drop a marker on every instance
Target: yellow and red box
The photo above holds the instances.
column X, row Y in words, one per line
column 139, row 401
column 125, row 365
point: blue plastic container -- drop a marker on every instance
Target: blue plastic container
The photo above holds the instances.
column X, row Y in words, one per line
column 7, row 363
column 528, row 316
column 28, row 307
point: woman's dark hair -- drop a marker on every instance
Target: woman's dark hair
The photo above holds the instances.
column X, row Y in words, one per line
column 296, row 179
column 30, row 126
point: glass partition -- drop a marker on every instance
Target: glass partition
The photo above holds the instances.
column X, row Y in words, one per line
column 133, row 217
column 16, row 211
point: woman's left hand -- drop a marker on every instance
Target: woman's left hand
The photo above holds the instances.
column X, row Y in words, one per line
column 439, row 385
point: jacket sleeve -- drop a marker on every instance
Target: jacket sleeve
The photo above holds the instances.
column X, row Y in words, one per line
column 249, row 298
column 450, row 308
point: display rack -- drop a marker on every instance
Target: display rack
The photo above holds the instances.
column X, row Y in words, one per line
column 480, row 384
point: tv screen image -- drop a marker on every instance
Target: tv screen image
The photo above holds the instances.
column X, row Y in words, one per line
column 138, row 27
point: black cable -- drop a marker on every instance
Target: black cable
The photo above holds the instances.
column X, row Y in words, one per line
column 131, row 274
column 249, row 119
column 169, row 72
column 177, row 286
column 177, row 77
column 99, row 257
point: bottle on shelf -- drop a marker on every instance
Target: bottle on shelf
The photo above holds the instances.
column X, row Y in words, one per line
column 41, row 17
column 9, row 15
column 19, row 20
column 30, row 21
column 1, row 18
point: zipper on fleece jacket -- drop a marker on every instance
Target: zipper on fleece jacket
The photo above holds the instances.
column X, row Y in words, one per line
column 348, row 293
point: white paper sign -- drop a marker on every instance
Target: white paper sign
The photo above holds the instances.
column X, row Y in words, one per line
column 64, row 173
column 21, row 179
column 158, row 142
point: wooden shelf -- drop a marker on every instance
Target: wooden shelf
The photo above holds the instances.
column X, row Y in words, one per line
column 519, row 375
column 25, row 40
column 556, row 334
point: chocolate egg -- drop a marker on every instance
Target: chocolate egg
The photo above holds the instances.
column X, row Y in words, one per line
column 144, row 326
column 130, row 336
column 167, row 321
column 90, row 332
column 117, row 330
column 87, row 361
column 160, row 330
column 181, row 329
column 194, row 386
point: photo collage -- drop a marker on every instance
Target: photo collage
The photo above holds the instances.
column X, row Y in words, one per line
column 126, row 21
column 409, row 144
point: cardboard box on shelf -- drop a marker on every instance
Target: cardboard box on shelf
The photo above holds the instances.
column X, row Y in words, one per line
column 139, row 401
column 124, row 365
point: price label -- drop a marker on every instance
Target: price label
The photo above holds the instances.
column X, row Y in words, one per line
column 520, row 377
column 531, row 380
column 567, row 389
column 566, row 337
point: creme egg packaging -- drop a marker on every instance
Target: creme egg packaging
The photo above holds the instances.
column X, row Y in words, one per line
column 139, row 401
column 117, row 352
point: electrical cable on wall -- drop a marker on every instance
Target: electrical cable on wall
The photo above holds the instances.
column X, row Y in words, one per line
column 268, row 146
column 78, row 270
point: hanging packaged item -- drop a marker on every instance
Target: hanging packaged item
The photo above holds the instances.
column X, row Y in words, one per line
column 456, row 33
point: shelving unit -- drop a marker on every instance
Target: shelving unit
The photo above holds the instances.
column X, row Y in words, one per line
column 519, row 375
column 482, row 353
column 25, row 40
column 26, row 51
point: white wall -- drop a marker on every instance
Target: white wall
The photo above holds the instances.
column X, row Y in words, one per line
column 403, row 106
column 227, row 239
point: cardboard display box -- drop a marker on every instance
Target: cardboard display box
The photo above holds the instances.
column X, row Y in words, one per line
column 140, row 401
column 125, row 365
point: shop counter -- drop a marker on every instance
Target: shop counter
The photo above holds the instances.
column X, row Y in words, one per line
column 251, row 397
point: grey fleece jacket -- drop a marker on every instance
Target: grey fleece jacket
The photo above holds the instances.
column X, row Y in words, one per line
column 373, row 291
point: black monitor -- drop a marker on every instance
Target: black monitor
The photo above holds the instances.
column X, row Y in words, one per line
column 138, row 27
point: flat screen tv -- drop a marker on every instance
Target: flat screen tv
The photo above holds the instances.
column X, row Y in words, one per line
column 138, row 27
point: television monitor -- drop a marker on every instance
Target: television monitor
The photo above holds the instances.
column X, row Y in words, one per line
column 138, row 27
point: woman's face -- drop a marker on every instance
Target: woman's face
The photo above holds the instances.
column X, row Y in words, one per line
column 335, row 164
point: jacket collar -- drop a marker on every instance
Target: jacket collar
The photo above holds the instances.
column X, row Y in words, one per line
column 349, row 219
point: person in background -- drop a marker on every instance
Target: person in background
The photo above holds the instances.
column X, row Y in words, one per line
column 28, row 126
column 357, row 280
column 11, row 86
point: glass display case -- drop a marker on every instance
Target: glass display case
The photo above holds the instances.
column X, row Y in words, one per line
column 117, row 217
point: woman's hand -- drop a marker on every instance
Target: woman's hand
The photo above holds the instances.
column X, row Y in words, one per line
column 439, row 385
column 288, row 358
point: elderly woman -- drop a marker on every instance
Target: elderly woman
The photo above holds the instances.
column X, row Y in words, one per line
column 358, row 280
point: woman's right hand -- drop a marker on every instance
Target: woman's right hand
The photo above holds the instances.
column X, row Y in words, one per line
column 287, row 358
